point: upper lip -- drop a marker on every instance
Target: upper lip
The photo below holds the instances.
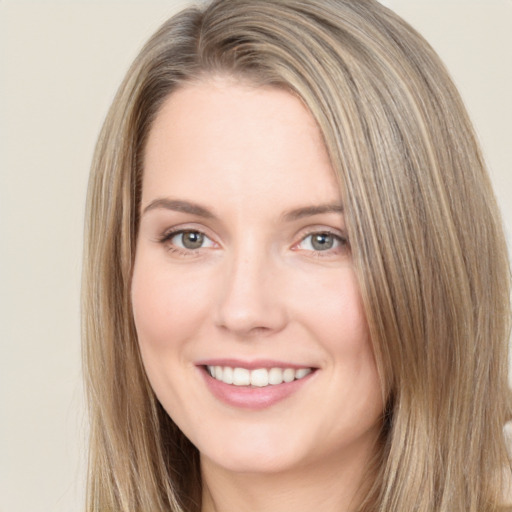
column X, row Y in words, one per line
column 253, row 364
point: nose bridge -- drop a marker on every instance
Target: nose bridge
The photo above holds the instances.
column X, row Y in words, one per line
column 250, row 300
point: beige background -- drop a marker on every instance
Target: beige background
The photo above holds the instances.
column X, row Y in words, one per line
column 60, row 63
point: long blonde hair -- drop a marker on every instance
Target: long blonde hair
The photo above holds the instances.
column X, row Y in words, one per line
column 426, row 239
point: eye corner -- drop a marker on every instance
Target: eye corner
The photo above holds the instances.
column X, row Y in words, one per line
column 322, row 242
column 186, row 241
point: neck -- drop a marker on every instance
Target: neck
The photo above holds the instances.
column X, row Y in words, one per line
column 330, row 487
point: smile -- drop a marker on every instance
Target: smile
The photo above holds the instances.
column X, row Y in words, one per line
column 260, row 377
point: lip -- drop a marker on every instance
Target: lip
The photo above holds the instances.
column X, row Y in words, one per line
column 248, row 397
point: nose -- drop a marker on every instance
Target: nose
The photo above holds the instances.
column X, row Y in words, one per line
column 251, row 300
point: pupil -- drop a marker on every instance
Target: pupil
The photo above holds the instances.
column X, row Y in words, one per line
column 192, row 239
column 322, row 242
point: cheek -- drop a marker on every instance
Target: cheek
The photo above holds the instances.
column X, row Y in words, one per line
column 168, row 305
column 169, row 310
column 336, row 319
column 332, row 309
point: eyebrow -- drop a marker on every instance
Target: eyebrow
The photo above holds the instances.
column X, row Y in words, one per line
column 179, row 206
column 195, row 209
column 309, row 211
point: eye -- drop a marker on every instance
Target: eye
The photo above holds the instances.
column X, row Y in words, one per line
column 189, row 240
column 322, row 241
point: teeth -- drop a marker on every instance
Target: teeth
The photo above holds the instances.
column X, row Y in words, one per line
column 227, row 375
column 260, row 377
column 288, row 375
column 241, row 376
column 275, row 376
column 300, row 374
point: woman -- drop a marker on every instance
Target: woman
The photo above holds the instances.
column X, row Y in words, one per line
column 296, row 286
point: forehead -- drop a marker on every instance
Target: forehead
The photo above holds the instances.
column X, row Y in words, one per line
column 221, row 140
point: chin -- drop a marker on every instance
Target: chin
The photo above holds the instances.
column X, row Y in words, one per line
column 252, row 461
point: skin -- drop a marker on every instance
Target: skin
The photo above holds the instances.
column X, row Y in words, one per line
column 257, row 288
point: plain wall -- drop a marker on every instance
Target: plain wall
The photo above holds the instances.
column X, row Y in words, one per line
column 60, row 64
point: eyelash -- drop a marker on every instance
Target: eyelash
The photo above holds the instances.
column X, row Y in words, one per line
column 342, row 247
column 168, row 236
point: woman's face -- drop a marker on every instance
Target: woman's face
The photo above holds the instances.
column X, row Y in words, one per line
column 243, row 270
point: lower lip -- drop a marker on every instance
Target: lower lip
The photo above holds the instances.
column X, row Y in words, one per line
column 252, row 397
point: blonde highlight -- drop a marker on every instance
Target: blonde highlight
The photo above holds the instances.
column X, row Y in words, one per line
column 435, row 284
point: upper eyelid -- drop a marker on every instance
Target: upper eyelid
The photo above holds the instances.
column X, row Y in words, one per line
column 168, row 235
column 302, row 234
column 325, row 232
column 176, row 230
column 311, row 230
column 337, row 233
